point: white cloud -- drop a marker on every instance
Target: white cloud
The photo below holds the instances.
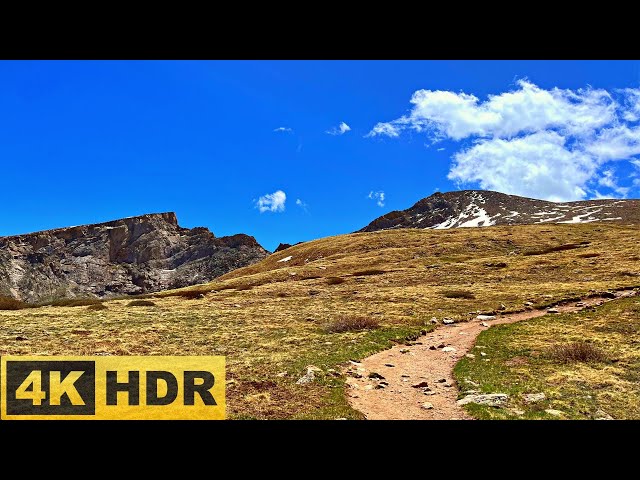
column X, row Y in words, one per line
column 283, row 129
column 272, row 202
column 387, row 129
column 378, row 197
column 530, row 141
column 614, row 143
column 301, row 204
column 528, row 109
column 537, row 166
column 608, row 180
column 339, row 130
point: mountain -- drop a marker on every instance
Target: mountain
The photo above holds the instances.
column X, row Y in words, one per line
column 133, row 255
column 483, row 208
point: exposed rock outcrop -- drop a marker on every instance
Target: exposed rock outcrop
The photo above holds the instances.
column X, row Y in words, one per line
column 133, row 255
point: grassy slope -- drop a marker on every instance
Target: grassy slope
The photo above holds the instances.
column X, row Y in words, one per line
column 270, row 318
column 519, row 361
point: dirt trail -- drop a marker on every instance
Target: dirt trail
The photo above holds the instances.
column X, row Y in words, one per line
column 399, row 400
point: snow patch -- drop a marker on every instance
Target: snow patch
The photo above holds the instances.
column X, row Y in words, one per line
column 285, row 259
column 482, row 218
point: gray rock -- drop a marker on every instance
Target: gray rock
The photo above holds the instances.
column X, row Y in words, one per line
column 555, row 413
column 449, row 349
column 306, row 378
column 448, row 321
column 553, row 310
column 602, row 415
column 404, row 350
column 533, row 397
column 376, row 375
column 389, row 365
column 486, row 317
column 528, row 304
column 441, row 380
column 484, row 324
column 427, row 405
column 133, row 255
column 490, row 399
column 433, row 320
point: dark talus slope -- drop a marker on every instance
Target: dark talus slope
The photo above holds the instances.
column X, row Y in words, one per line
column 479, row 208
column 133, row 255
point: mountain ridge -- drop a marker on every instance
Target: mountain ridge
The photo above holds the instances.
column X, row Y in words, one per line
column 482, row 208
column 132, row 255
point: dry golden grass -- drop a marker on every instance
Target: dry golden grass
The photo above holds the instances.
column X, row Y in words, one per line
column 586, row 363
column 269, row 319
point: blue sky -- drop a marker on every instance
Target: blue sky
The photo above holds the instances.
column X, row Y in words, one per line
column 84, row 142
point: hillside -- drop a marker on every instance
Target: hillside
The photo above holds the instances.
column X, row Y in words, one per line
column 479, row 208
column 133, row 255
column 325, row 302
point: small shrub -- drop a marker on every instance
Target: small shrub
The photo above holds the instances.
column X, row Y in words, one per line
column 9, row 303
column 141, row 303
column 559, row 248
column 311, row 277
column 576, row 352
column 458, row 294
column 351, row 323
column 335, row 280
column 97, row 306
column 281, row 294
column 371, row 271
column 588, row 255
column 626, row 273
column 496, row 264
column 193, row 294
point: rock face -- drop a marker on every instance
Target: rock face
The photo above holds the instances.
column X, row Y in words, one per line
column 282, row 246
column 479, row 208
column 128, row 256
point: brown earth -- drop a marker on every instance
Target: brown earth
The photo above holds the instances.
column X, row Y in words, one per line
column 420, row 362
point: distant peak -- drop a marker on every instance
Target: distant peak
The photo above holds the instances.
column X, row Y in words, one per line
column 484, row 208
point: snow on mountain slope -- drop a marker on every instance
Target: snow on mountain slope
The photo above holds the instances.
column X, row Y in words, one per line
column 479, row 208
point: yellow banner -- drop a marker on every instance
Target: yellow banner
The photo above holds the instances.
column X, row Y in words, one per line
column 112, row 388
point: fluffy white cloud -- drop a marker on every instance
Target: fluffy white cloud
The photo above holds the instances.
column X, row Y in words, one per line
column 615, row 143
column 529, row 109
column 272, row 202
column 301, row 204
column 378, row 197
column 282, row 129
column 551, row 144
column 339, row 130
column 536, row 165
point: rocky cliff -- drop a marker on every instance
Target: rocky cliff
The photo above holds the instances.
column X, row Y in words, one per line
column 128, row 256
column 480, row 208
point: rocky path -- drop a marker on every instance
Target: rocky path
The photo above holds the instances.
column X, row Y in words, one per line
column 416, row 382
